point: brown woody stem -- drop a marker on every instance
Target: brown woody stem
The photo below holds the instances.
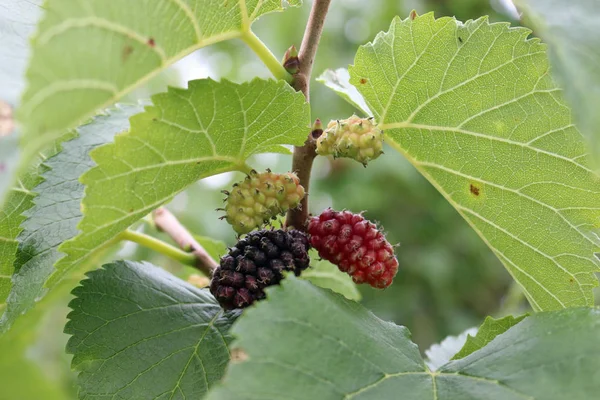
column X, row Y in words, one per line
column 168, row 223
column 305, row 155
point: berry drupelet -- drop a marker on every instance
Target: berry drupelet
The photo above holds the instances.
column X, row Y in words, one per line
column 355, row 245
column 255, row 262
column 260, row 197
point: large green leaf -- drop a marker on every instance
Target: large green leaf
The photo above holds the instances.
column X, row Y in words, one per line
column 210, row 128
column 332, row 348
column 571, row 31
column 474, row 108
column 17, row 21
column 140, row 333
column 54, row 217
column 88, row 54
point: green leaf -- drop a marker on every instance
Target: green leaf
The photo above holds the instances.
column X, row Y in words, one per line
column 54, row 217
column 332, row 348
column 328, row 276
column 548, row 356
column 114, row 47
column 339, row 81
column 17, row 21
column 304, row 342
column 138, row 332
column 486, row 333
column 18, row 200
column 190, row 134
column 215, row 248
column 473, row 107
column 571, row 31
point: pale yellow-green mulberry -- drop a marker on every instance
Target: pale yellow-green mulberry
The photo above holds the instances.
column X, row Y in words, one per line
column 355, row 137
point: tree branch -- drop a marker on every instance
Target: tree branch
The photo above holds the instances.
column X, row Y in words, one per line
column 305, row 155
column 166, row 222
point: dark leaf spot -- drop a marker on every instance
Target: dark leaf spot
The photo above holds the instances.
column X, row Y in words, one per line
column 127, row 50
column 238, row 355
column 413, row 15
column 131, row 210
column 460, row 39
column 474, row 189
column 151, row 42
column 363, row 81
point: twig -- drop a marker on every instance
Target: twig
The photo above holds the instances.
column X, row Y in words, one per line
column 305, row 155
column 166, row 222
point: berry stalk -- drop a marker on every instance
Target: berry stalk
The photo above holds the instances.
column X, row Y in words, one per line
column 159, row 246
column 166, row 222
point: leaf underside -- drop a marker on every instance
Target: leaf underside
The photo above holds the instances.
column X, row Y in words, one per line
column 139, row 332
column 474, row 109
column 332, row 348
column 439, row 354
column 52, row 217
column 188, row 134
column 339, row 81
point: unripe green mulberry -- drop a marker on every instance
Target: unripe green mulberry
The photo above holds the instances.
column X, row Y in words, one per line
column 260, row 197
column 356, row 138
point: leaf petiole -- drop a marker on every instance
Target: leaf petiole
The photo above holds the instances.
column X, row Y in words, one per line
column 265, row 55
column 159, row 246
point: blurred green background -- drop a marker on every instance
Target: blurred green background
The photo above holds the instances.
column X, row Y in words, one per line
column 448, row 279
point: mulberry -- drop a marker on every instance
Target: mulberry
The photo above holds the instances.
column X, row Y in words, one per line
column 355, row 245
column 258, row 261
column 356, row 138
column 260, row 197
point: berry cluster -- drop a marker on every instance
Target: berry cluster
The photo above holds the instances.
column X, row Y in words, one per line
column 258, row 261
column 356, row 138
column 355, row 245
column 261, row 197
